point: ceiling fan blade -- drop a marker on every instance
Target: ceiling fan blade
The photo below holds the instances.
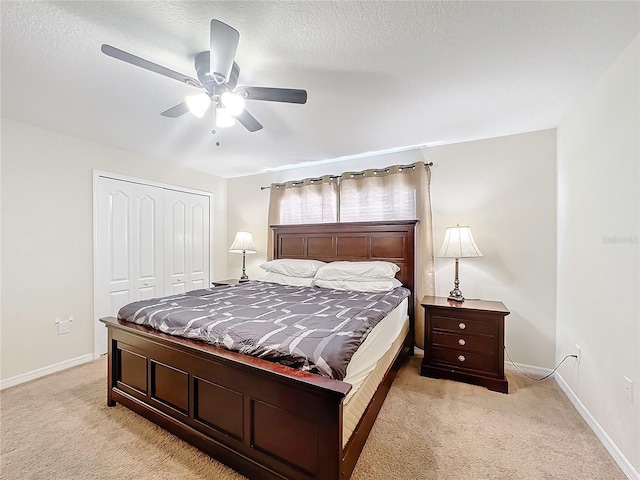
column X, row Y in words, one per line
column 222, row 48
column 286, row 95
column 146, row 64
column 175, row 112
column 248, row 121
column 233, row 79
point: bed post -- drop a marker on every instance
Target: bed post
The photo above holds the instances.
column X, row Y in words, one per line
column 110, row 369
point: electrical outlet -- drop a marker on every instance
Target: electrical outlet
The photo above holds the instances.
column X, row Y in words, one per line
column 64, row 327
column 578, row 352
column 628, row 387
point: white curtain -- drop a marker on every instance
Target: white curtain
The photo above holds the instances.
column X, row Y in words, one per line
column 375, row 195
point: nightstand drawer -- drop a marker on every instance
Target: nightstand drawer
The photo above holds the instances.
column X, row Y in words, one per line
column 454, row 324
column 466, row 360
column 463, row 342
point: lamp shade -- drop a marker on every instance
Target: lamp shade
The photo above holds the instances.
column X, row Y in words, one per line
column 243, row 243
column 458, row 243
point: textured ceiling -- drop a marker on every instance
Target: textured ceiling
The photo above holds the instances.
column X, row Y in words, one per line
column 379, row 75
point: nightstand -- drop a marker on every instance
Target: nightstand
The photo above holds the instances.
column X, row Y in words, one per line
column 465, row 341
column 229, row 281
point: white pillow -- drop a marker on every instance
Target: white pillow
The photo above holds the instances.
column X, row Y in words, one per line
column 375, row 286
column 358, row 271
column 293, row 267
column 286, row 279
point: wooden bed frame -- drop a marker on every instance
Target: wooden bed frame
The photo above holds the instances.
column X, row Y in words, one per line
column 263, row 419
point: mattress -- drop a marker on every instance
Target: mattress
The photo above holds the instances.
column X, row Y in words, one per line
column 374, row 347
column 311, row 329
column 375, row 360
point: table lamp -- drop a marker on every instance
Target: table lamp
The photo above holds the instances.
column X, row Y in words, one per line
column 243, row 244
column 458, row 243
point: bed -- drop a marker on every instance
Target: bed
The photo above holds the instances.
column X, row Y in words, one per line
column 263, row 419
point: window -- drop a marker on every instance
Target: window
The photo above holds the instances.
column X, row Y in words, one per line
column 312, row 203
column 377, row 197
column 392, row 193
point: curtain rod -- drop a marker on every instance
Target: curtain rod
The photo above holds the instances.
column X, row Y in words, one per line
column 335, row 177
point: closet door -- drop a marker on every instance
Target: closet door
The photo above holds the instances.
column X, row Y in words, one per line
column 149, row 242
column 186, row 220
column 198, row 252
column 114, row 256
column 129, row 249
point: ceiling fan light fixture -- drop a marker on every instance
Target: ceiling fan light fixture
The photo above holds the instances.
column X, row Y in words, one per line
column 198, row 104
column 224, row 118
column 233, row 102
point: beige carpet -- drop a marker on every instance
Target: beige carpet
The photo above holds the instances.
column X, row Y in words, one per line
column 59, row 427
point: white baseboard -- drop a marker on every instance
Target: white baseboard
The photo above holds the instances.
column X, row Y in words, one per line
column 41, row 372
column 528, row 369
column 611, row 447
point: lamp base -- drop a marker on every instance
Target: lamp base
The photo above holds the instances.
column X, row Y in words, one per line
column 455, row 295
column 244, row 277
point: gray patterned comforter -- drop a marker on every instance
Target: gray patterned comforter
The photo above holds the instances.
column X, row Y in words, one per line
column 313, row 329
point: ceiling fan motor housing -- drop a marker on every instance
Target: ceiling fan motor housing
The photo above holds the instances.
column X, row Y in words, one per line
column 202, row 64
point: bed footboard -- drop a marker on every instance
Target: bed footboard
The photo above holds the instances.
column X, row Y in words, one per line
column 264, row 420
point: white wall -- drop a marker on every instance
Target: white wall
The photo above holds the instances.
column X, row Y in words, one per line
column 47, row 238
column 504, row 188
column 598, row 250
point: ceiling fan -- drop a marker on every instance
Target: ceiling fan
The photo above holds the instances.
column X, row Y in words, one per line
column 217, row 78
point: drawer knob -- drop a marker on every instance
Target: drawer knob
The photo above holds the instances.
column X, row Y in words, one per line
column 461, row 341
column 462, row 326
column 461, row 358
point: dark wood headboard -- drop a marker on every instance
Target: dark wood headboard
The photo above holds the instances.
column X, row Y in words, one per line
column 392, row 241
